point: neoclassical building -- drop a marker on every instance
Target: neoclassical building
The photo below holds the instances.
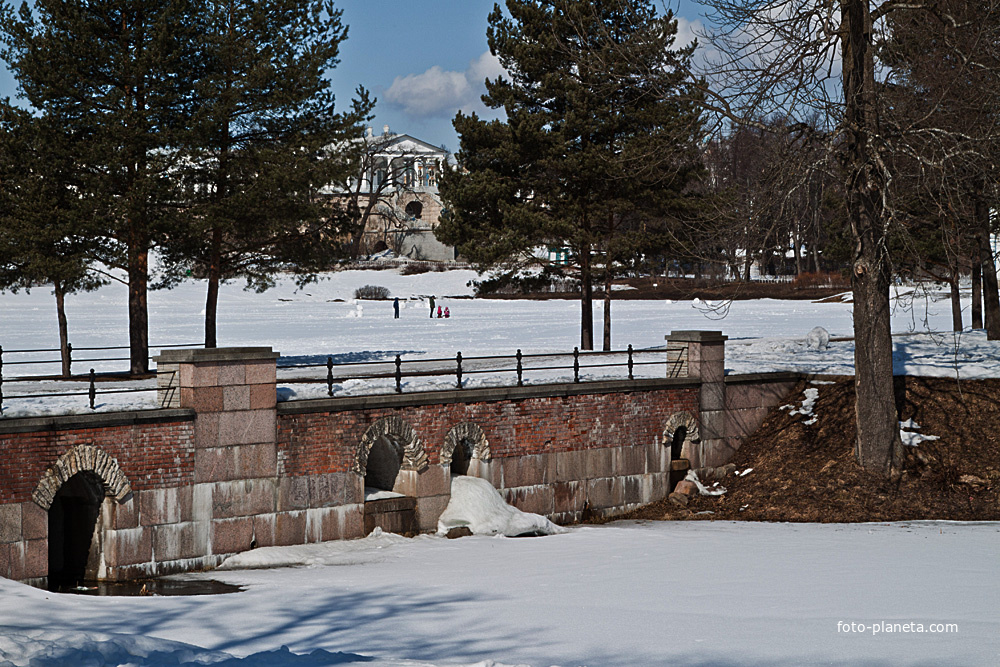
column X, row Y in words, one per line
column 399, row 182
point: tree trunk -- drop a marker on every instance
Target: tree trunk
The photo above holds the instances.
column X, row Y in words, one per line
column 977, row 292
column 214, row 278
column 64, row 353
column 586, row 299
column 362, row 220
column 991, row 292
column 798, row 251
column 878, row 448
column 607, row 305
column 359, row 233
column 956, row 300
column 138, row 317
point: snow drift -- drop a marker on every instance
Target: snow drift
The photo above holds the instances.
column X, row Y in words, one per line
column 476, row 505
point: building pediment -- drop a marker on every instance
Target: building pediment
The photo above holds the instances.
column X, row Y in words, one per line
column 404, row 144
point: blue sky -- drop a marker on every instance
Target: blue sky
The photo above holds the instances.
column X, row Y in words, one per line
column 424, row 60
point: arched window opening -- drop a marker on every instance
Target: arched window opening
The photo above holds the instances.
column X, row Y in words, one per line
column 74, row 531
column 461, row 456
column 384, row 462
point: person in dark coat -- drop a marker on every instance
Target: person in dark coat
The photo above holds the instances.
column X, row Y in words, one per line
column 432, row 306
column 395, row 308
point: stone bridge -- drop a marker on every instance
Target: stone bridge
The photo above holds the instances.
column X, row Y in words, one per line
column 225, row 468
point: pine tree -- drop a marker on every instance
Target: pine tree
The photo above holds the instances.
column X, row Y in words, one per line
column 265, row 140
column 116, row 74
column 44, row 221
column 597, row 147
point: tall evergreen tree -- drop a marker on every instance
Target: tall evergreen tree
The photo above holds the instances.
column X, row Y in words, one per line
column 44, row 221
column 265, row 140
column 117, row 74
column 593, row 153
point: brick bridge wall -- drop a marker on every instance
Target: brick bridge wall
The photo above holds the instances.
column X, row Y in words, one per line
column 155, row 450
column 223, row 467
column 552, row 450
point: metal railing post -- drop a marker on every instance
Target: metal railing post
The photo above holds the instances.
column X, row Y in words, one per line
column 630, row 364
column 576, row 364
column 92, row 393
column 458, row 360
column 329, row 376
column 399, row 375
column 520, row 370
column 1, row 379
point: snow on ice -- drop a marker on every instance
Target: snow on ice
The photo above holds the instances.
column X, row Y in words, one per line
column 478, row 506
column 609, row 596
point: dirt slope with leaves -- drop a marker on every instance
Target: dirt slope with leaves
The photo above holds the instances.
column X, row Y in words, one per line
column 807, row 471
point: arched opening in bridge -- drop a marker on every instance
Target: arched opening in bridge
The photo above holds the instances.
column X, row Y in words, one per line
column 74, row 531
column 463, row 443
column 461, row 456
column 680, row 433
column 385, row 458
column 389, row 458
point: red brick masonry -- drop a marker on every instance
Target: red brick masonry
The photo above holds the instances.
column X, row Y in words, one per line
column 222, row 467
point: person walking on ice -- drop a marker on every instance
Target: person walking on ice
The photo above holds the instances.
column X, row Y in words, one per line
column 432, row 306
column 395, row 308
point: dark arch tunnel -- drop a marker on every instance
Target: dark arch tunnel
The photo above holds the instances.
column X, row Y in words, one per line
column 677, row 444
column 385, row 458
column 461, row 457
column 74, row 544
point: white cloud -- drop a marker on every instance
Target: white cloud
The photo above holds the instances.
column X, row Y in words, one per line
column 487, row 66
column 439, row 92
column 687, row 31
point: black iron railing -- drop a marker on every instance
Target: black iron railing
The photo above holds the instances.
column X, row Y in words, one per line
column 92, row 378
column 514, row 366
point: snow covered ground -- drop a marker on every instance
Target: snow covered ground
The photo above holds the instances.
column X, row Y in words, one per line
column 675, row 593
column 687, row 593
column 307, row 325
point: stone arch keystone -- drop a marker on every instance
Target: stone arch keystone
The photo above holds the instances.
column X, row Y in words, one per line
column 414, row 457
column 465, row 431
column 82, row 458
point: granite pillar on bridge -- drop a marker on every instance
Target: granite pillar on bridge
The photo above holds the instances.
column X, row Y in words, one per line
column 706, row 361
column 233, row 499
